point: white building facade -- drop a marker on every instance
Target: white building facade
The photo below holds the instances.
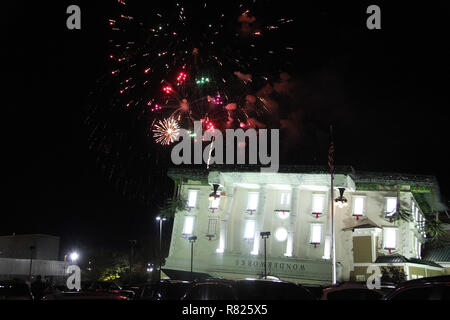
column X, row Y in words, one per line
column 294, row 206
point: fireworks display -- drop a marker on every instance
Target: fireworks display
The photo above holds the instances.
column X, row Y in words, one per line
column 185, row 61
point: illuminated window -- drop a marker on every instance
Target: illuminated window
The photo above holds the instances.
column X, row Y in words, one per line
column 285, row 198
column 419, row 249
column 360, row 277
column 416, row 246
column 422, row 224
column 192, row 198
column 391, row 206
column 281, row 234
column 252, row 202
column 318, row 204
column 212, row 226
column 188, row 225
column 416, row 216
column 390, row 238
column 327, row 248
column 283, row 214
column 289, row 247
column 315, row 233
column 249, row 232
column 358, row 205
column 214, row 204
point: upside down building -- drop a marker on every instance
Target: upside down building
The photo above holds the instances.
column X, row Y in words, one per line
column 379, row 220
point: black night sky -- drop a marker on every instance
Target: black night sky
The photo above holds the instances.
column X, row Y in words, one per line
column 385, row 91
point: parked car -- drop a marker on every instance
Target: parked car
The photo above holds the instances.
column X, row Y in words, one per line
column 80, row 295
column 355, row 291
column 432, row 288
column 316, row 290
column 15, row 290
column 132, row 287
column 106, row 287
column 164, row 290
column 220, row 289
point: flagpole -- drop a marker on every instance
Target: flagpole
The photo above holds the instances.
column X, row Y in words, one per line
column 333, row 236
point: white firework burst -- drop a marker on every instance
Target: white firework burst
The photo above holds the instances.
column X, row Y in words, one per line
column 166, row 131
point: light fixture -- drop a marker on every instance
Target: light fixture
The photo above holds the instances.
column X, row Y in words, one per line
column 265, row 234
column 74, row 256
column 341, row 201
column 214, row 195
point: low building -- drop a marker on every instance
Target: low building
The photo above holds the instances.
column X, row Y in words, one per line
column 31, row 254
column 294, row 206
column 24, row 246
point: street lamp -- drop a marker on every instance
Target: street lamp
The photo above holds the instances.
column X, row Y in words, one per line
column 160, row 219
column 265, row 235
column 74, row 256
column 192, row 239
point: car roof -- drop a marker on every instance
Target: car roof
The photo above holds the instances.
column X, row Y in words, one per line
column 440, row 279
column 245, row 281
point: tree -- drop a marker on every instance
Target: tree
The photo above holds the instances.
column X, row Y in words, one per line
column 171, row 206
column 109, row 265
column 392, row 274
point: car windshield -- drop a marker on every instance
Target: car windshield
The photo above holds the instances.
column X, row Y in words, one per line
column 271, row 291
column 14, row 289
column 176, row 290
column 211, row 291
column 421, row 293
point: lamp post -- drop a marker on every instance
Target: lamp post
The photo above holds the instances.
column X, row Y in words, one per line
column 132, row 246
column 265, row 235
column 160, row 220
column 192, row 240
column 31, row 261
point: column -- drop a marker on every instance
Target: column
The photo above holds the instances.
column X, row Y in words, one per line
column 292, row 222
column 260, row 213
column 224, row 242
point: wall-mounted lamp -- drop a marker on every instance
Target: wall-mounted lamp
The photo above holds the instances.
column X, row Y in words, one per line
column 341, row 201
column 214, row 195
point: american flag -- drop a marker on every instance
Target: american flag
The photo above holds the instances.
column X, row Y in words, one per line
column 331, row 153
